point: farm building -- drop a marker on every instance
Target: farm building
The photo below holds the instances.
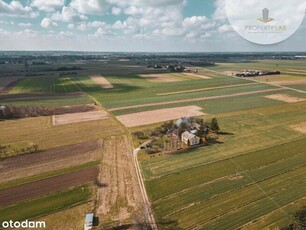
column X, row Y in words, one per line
column 190, row 139
column 88, row 221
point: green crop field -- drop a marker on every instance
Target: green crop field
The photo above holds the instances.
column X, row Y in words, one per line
column 54, row 102
column 46, row 85
column 44, row 205
column 254, row 167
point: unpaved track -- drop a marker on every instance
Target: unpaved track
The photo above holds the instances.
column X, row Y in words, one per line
column 43, row 187
column 193, row 99
column 119, row 196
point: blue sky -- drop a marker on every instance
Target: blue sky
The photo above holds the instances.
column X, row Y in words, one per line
column 126, row 25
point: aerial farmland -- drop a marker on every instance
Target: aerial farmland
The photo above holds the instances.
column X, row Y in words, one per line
column 69, row 142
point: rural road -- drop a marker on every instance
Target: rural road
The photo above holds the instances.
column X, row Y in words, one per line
column 148, row 208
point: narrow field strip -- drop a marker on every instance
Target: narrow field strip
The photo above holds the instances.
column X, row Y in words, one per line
column 156, row 116
column 79, row 117
column 285, row 98
column 193, row 100
column 50, row 185
column 206, row 89
column 101, row 81
column 45, row 205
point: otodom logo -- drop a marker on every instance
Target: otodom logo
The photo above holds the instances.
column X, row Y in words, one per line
column 265, row 22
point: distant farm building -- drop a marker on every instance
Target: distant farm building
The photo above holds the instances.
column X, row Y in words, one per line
column 190, row 139
column 88, row 221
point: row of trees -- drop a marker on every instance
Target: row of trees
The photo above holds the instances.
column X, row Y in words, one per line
column 15, row 112
column 8, row 150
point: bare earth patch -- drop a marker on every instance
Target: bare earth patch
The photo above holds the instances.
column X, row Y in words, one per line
column 102, row 81
column 300, row 128
column 79, row 117
column 160, row 115
column 160, row 77
column 295, row 82
column 27, row 165
column 197, row 75
column 285, row 98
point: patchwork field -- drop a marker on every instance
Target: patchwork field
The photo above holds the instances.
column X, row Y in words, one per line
column 157, row 116
column 253, row 177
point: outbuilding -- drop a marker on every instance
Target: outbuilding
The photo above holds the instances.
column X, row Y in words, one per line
column 88, row 221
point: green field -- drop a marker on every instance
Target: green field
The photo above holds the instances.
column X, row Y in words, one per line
column 46, row 85
column 213, row 187
column 45, row 205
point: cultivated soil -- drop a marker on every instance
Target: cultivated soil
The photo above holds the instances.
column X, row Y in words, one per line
column 160, row 115
column 8, row 83
column 196, row 75
column 300, row 128
column 102, row 81
column 159, row 78
column 119, row 196
column 285, row 98
column 27, row 165
column 43, row 187
column 79, row 117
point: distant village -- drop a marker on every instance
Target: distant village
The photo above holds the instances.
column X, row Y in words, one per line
column 185, row 133
column 256, row 73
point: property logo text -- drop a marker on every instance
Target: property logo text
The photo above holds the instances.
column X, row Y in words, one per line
column 23, row 224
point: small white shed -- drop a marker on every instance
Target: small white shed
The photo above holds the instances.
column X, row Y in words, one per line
column 88, row 221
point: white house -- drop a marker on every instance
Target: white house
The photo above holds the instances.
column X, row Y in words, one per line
column 190, row 139
column 88, row 221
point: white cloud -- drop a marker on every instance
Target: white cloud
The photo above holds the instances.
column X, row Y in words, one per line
column 68, row 15
column 225, row 28
column 47, row 23
column 47, row 5
column 16, row 9
column 116, row 10
column 89, row 6
column 25, row 24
